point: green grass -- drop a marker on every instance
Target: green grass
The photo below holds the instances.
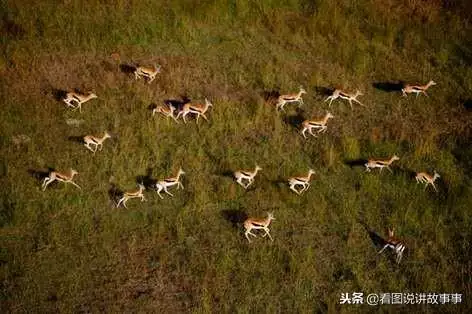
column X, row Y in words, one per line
column 70, row 250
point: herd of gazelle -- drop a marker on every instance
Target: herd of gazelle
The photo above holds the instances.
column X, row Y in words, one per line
column 76, row 99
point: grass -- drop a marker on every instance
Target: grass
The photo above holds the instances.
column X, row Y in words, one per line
column 69, row 250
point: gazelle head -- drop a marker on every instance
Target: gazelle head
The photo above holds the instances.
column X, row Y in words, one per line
column 436, row 175
column 395, row 157
column 208, row 103
column 73, row 172
column 106, row 135
column 431, row 83
column 390, row 232
column 258, row 168
column 180, row 172
column 359, row 93
column 141, row 187
column 302, row 91
column 311, row 171
column 270, row 216
column 92, row 95
column 329, row 115
column 158, row 68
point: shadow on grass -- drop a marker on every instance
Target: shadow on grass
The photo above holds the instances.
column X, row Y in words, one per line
column 410, row 173
column 12, row 29
column 295, row 120
column 323, row 91
column 355, row 162
column 77, row 139
column 234, row 216
column 389, row 87
column 178, row 104
column 40, row 175
column 279, row 182
column 59, row 94
column 147, row 180
column 270, row 96
column 114, row 193
column 227, row 174
column 467, row 104
column 127, row 68
column 376, row 239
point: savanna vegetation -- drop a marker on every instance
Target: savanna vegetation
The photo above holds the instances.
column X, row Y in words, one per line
column 71, row 250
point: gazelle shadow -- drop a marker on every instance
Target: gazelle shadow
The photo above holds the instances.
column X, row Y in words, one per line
column 76, row 139
column 323, row 91
column 147, row 180
column 355, row 162
column 279, row 182
column 127, row 68
column 59, row 94
column 114, row 193
column 234, row 216
column 227, row 173
column 40, row 175
column 270, row 96
column 178, row 104
column 378, row 241
column 467, row 104
column 389, row 87
column 295, row 120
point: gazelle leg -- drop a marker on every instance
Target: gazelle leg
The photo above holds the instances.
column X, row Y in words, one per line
column 165, row 190
column 75, row 184
column 267, row 233
column 386, row 245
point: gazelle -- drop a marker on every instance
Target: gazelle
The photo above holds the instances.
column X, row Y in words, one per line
column 303, row 181
column 343, row 95
column 198, row 109
column 255, row 223
column 148, row 73
column 241, row 175
column 423, row 177
column 132, row 194
column 78, row 98
column 166, row 110
column 164, row 184
column 284, row 99
column 408, row 89
column 309, row 125
column 60, row 176
column 97, row 141
column 377, row 163
column 395, row 244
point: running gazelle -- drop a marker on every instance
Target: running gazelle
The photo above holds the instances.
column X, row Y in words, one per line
column 257, row 223
column 395, row 244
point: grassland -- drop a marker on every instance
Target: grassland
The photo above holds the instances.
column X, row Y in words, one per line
column 66, row 250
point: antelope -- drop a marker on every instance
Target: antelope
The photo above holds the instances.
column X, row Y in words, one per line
column 309, row 125
column 132, row 194
column 147, row 72
column 408, row 89
column 241, row 175
column 164, row 184
column 60, row 176
column 284, row 99
column 97, row 141
column 254, row 223
column 395, row 244
column 166, row 110
column 78, row 98
column 376, row 163
column 303, row 181
column 198, row 109
column 423, row 177
column 343, row 95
